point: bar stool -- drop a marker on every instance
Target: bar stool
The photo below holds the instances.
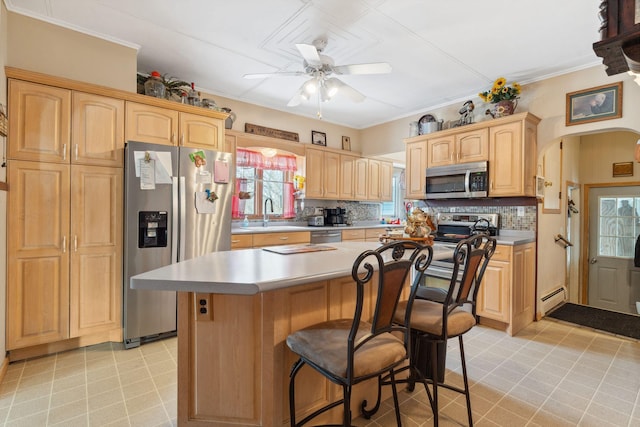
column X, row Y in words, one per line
column 433, row 322
column 350, row 351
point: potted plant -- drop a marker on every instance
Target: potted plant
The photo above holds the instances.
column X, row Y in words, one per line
column 174, row 87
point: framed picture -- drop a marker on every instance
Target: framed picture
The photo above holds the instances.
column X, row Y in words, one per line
column 595, row 104
column 318, row 138
column 346, row 143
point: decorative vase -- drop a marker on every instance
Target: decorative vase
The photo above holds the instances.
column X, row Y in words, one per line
column 503, row 108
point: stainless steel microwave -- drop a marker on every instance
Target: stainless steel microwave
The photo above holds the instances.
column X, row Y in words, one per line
column 463, row 180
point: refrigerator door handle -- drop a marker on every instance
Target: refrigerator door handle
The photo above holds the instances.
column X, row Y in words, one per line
column 183, row 222
column 174, row 219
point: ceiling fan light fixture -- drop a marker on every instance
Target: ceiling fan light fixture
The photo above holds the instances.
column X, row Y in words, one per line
column 332, row 86
column 310, row 87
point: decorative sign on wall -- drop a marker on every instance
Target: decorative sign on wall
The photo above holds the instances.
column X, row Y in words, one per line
column 273, row 133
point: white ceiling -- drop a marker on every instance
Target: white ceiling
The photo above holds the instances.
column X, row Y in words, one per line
column 441, row 52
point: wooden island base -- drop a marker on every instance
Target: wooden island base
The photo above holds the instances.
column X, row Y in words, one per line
column 233, row 362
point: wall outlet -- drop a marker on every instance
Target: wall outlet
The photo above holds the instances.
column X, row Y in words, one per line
column 520, row 210
column 318, row 211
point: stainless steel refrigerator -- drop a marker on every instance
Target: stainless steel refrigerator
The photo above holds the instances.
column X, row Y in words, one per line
column 177, row 207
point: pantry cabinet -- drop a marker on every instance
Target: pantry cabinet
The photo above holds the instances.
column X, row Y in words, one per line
column 46, row 139
column 165, row 126
column 506, row 298
column 65, row 249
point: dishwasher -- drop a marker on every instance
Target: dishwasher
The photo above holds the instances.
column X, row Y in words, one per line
column 326, row 236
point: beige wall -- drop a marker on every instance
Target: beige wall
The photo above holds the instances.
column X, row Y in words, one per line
column 46, row 48
column 599, row 151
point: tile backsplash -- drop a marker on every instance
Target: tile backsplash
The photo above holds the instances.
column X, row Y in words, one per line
column 509, row 215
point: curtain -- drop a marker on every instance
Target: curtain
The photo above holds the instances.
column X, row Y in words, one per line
column 254, row 159
column 237, row 205
column 288, row 210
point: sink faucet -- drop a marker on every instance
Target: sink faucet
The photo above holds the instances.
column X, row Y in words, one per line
column 265, row 218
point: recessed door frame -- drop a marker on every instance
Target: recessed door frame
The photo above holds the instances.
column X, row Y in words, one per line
column 584, row 254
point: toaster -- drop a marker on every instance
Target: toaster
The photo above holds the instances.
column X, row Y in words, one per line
column 316, row 221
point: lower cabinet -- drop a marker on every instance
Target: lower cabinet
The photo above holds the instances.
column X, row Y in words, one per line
column 353, row 235
column 241, row 241
column 506, row 297
column 64, row 252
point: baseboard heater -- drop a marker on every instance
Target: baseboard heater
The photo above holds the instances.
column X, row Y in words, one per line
column 553, row 299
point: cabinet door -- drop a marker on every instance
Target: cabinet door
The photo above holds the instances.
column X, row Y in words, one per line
column 98, row 130
column 494, row 294
column 386, row 181
column 415, row 174
column 441, row 151
column 506, row 160
column 373, row 191
column 155, row 125
column 39, row 122
column 347, row 178
column 331, row 181
column 361, row 169
column 472, row 146
column 241, row 241
column 201, row 132
column 523, row 287
column 38, row 256
column 315, row 172
column 95, row 301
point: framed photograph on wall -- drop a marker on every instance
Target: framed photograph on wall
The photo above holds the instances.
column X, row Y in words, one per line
column 318, row 138
column 595, row 104
column 346, row 143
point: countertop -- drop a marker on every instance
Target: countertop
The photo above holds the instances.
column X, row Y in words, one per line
column 256, row 227
column 251, row 271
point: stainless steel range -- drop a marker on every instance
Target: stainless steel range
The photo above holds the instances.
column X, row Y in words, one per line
column 452, row 228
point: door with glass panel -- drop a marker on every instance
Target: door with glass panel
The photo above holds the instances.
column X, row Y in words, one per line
column 613, row 228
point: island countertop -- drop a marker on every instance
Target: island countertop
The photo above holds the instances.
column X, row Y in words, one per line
column 251, row 271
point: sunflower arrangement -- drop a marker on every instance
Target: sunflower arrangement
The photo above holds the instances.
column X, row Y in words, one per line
column 500, row 91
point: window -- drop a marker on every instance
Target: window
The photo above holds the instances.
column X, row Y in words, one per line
column 260, row 178
column 395, row 208
column 619, row 226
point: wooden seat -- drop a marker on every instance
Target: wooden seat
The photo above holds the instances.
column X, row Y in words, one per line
column 433, row 322
column 349, row 351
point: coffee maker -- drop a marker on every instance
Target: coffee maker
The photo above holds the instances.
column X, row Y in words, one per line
column 335, row 217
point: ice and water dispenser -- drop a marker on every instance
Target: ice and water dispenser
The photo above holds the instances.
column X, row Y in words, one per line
column 152, row 229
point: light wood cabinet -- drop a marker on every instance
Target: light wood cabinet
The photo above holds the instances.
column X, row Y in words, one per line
column 95, row 297
column 37, row 253
column 97, row 130
column 416, row 169
column 512, row 159
column 331, row 175
column 46, row 138
column 65, row 252
column 386, row 181
column 148, row 123
column 373, row 187
column 241, row 241
column 361, row 178
column 347, row 177
column 274, row 239
column 464, row 147
column 509, row 144
column 373, row 234
column 506, row 297
column 357, row 235
column 323, row 174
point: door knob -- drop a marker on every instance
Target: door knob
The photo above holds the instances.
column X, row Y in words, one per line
column 593, row 260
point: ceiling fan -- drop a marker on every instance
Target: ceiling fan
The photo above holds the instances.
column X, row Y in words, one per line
column 321, row 69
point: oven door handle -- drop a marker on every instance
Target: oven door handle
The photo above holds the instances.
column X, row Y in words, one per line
column 467, row 178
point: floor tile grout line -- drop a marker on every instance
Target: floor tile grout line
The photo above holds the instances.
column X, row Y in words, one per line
column 124, row 400
column 15, row 391
column 155, row 386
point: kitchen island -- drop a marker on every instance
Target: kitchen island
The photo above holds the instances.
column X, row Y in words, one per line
column 235, row 310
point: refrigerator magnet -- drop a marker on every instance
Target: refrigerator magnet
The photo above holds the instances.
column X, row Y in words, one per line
column 198, row 158
column 203, row 205
column 221, row 172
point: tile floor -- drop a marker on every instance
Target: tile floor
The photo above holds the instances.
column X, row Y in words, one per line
column 551, row 374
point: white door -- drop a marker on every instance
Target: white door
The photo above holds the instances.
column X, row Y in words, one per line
column 613, row 227
column 573, row 235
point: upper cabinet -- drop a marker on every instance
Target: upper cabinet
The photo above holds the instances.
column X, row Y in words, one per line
column 98, row 130
column 73, row 127
column 46, row 139
column 508, row 143
column 165, row 126
column 464, row 147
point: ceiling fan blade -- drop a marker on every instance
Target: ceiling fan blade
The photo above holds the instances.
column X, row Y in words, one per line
column 277, row 74
column 345, row 89
column 310, row 54
column 372, row 68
